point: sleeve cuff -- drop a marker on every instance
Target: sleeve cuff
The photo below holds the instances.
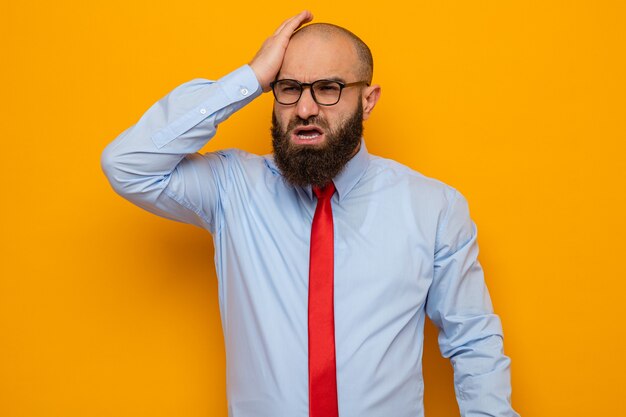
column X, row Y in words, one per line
column 240, row 84
column 236, row 88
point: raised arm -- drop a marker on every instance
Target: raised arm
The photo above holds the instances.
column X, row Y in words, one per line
column 155, row 163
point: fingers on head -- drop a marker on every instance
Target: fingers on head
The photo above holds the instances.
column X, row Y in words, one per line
column 282, row 25
column 293, row 23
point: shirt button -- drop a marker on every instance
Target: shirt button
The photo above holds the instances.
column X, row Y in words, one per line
column 203, row 111
column 244, row 91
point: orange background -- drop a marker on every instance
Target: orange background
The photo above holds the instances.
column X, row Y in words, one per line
column 106, row 310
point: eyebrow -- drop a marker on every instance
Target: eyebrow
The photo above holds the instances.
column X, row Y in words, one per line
column 340, row 79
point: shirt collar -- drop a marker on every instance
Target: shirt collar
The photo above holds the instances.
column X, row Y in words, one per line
column 352, row 172
column 346, row 179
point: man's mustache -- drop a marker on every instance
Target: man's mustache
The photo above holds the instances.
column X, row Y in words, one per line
column 313, row 120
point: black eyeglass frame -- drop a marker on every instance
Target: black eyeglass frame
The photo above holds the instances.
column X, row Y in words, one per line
column 302, row 86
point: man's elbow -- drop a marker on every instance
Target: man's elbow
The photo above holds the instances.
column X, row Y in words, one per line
column 121, row 173
column 110, row 163
column 129, row 178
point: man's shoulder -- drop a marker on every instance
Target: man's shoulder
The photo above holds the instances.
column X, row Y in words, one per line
column 394, row 172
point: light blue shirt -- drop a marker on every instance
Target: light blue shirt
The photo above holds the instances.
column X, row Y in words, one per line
column 405, row 247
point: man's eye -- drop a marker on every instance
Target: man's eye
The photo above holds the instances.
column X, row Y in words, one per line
column 289, row 89
column 328, row 87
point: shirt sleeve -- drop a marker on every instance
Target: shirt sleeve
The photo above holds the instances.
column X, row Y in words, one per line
column 155, row 163
column 470, row 334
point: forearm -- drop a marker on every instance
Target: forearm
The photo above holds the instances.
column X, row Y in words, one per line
column 482, row 379
column 474, row 343
column 142, row 161
column 179, row 124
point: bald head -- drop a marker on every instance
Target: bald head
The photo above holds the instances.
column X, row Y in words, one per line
column 328, row 31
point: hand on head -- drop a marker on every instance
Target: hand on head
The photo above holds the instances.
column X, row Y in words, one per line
column 268, row 60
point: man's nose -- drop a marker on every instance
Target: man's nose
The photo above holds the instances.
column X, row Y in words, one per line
column 306, row 106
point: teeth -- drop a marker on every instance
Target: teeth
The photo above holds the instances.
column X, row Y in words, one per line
column 311, row 136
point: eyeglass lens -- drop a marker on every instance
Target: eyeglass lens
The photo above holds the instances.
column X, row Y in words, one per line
column 324, row 92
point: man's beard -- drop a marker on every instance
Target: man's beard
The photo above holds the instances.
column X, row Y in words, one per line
column 303, row 165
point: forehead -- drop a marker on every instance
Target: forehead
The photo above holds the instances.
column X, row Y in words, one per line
column 314, row 56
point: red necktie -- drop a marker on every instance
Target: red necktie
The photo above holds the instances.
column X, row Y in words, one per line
column 322, row 369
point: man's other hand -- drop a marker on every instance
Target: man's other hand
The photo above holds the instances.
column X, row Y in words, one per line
column 268, row 60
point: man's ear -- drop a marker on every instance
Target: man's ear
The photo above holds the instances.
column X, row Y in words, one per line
column 370, row 97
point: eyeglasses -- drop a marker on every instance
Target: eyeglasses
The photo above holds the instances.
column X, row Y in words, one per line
column 324, row 92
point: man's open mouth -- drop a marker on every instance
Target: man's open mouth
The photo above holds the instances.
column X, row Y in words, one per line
column 308, row 132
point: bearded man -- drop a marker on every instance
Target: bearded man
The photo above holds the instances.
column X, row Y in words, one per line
column 328, row 258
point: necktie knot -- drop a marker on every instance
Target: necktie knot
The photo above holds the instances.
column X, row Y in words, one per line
column 325, row 192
